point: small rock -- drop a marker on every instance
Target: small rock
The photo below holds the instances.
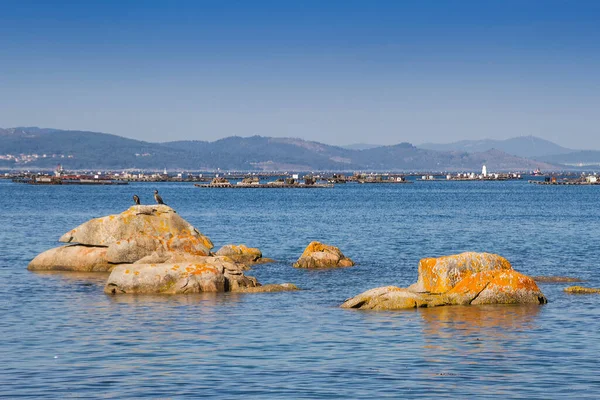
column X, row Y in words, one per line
column 319, row 255
column 581, row 290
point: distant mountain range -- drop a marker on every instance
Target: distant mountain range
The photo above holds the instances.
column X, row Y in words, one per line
column 527, row 147
column 523, row 146
column 28, row 148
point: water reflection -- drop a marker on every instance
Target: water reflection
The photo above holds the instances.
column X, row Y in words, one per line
column 475, row 331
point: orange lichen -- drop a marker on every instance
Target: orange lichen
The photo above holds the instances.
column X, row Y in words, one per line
column 438, row 275
column 200, row 269
column 501, row 281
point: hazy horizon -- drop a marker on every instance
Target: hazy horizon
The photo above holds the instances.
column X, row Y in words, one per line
column 337, row 72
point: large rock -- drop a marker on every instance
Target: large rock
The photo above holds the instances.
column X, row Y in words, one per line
column 158, row 222
column 208, row 274
column 468, row 278
column 319, row 255
column 72, row 258
column 438, row 275
column 155, row 233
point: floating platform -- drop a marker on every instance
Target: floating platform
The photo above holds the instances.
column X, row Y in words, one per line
column 55, row 181
column 573, row 183
column 390, row 181
column 263, row 186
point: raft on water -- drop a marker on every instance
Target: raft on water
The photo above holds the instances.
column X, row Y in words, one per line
column 264, row 186
column 254, row 183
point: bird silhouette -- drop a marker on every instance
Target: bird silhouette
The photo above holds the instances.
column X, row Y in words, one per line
column 136, row 199
column 157, row 197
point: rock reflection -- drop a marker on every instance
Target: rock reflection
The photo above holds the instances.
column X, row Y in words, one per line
column 475, row 330
column 98, row 278
column 205, row 299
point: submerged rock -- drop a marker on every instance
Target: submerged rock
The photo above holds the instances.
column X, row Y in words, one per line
column 556, row 279
column 273, row 287
column 319, row 255
column 581, row 290
column 464, row 279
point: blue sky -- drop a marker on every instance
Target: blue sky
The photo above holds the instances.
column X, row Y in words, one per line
column 338, row 71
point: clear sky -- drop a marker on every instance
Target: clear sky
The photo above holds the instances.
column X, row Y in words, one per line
column 339, row 72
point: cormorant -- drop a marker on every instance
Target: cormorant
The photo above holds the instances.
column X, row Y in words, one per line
column 158, row 199
column 136, row 199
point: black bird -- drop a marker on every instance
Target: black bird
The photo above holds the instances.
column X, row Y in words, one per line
column 158, row 199
column 136, row 199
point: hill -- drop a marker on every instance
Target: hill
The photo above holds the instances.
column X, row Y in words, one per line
column 576, row 158
column 27, row 148
column 523, row 146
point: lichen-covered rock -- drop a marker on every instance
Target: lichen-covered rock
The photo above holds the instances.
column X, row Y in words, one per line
column 208, row 274
column 496, row 287
column 72, row 258
column 240, row 253
column 319, row 255
column 438, row 275
column 581, row 290
column 468, row 278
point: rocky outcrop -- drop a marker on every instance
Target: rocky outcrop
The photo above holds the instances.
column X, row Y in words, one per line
column 319, row 255
column 581, row 290
column 464, row 279
column 243, row 254
column 72, row 258
column 151, row 249
column 154, row 231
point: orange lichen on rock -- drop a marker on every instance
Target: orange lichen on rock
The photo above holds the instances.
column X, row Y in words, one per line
column 468, row 278
column 496, row 287
column 439, row 275
column 200, row 269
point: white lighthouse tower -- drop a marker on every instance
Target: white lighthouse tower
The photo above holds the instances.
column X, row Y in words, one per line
column 484, row 171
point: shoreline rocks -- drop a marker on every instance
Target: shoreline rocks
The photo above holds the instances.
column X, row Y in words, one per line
column 319, row 255
column 463, row 279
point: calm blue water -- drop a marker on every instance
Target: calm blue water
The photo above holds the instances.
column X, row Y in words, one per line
column 62, row 337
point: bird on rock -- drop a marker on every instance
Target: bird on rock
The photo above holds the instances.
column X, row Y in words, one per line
column 136, row 199
column 157, row 197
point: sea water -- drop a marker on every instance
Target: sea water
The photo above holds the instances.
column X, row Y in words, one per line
column 61, row 336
